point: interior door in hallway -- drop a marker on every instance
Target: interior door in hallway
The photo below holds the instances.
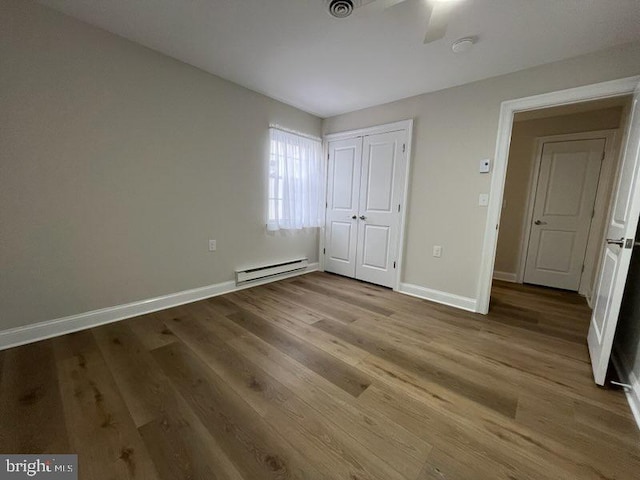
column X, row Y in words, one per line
column 563, row 208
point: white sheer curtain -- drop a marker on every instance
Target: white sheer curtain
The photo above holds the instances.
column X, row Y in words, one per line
column 295, row 174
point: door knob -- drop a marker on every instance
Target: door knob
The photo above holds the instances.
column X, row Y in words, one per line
column 362, row 217
column 611, row 241
column 540, row 222
column 354, row 217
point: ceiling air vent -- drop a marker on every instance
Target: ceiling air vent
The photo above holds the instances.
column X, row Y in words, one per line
column 340, row 8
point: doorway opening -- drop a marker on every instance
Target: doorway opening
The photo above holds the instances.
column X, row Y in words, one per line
column 566, row 185
column 560, row 176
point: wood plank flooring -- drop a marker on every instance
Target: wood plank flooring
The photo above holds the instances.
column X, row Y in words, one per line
column 323, row 377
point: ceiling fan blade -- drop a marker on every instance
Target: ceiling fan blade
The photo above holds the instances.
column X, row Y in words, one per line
column 379, row 5
column 390, row 3
column 438, row 21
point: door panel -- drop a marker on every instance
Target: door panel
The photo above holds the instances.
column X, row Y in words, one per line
column 376, row 246
column 379, row 184
column 343, row 195
column 383, row 170
column 555, row 251
column 567, row 169
column 604, row 291
column 623, row 224
column 563, row 206
column 340, row 241
column 628, row 174
column 344, row 173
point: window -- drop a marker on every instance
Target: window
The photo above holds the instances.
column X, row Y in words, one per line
column 295, row 173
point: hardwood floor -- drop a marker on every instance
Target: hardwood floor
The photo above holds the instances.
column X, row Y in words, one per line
column 322, row 377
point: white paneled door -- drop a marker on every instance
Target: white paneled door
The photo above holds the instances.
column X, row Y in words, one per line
column 364, row 202
column 614, row 267
column 563, row 208
column 343, row 197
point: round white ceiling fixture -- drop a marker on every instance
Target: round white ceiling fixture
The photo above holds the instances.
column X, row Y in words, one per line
column 463, row 44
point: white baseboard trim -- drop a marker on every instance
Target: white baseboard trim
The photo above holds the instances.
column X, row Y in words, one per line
column 60, row 326
column 505, row 276
column 450, row 299
column 633, row 394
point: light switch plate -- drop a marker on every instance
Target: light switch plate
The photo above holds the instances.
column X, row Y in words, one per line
column 437, row 251
column 212, row 245
column 485, row 165
column 483, row 199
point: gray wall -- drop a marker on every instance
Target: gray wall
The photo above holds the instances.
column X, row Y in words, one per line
column 454, row 129
column 117, row 164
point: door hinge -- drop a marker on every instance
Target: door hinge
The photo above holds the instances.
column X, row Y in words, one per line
column 324, row 251
column 603, row 155
column 394, row 264
column 582, row 268
column 593, row 213
column 404, row 147
column 398, row 208
column 327, row 156
column 326, row 204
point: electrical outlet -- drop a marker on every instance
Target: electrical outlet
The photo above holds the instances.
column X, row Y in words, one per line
column 212, row 245
column 437, row 251
column 483, row 199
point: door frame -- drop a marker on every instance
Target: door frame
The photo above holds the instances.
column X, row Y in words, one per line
column 508, row 109
column 407, row 126
column 607, row 170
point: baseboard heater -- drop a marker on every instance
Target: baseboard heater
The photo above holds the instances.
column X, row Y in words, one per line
column 267, row 271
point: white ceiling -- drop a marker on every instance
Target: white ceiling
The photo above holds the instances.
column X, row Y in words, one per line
column 293, row 51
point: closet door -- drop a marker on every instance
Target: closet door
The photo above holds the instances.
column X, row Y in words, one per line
column 380, row 197
column 343, row 195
